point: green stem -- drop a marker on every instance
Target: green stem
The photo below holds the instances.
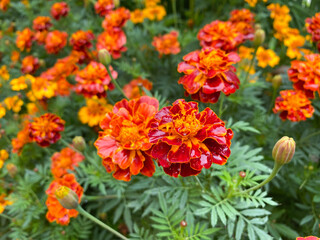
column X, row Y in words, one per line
column 174, row 9
column 5, row 216
column 70, row 146
column 250, row 66
column 309, row 136
column 90, row 198
column 198, row 180
column 221, row 106
column 274, row 172
column 115, row 82
column 274, row 93
column 97, row 221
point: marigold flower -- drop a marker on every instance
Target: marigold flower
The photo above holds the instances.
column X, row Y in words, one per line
column 278, row 11
column 4, row 202
column 30, row 64
column 20, row 83
column 4, row 155
column 293, row 105
column 186, row 140
column 32, row 108
column 151, row 3
column 137, row 16
column 112, row 40
column 43, row 88
column 24, row 39
column 21, row 139
column 252, row 3
column 124, row 141
column 94, row 111
column 167, row 44
column 245, row 52
column 4, row 5
column 134, row 90
column 294, row 42
column 243, row 21
column 94, row 80
column 4, row 74
column 308, row 238
column 116, row 18
column 103, row 7
column 40, row 37
column 55, row 210
column 267, row 57
column 59, row 9
column 66, row 159
column 207, row 73
column 13, row 103
column 313, row 27
column 219, row 34
column 41, row 23
column 2, row 111
column 155, row 13
column 55, row 41
column 45, row 130
column 15, row 55
column 63, row 68
column 81, row 40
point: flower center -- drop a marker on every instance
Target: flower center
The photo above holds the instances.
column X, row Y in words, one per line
column 129, row 137
column 187, row 126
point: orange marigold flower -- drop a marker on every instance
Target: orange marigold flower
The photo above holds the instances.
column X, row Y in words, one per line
column 219, row 34
column 62, row 68
column 24, row 39
column 41, row 23
column 293, row 105
column 245, row 52
column 55, row 211
column 103, row 7
column 134, row 90
column 207, row 73
column 81, row 40
column 20, row 83
column 94, row 80
column 30, row 64
column 21, row 139
column 252, row 3
column 305, row 75
column 13, row 103
column 151, row 3
column 243, row 21
column 4, row 202
column 267, row 57
column 15, row 55
column 40, row 37
column 313, row 27
column 124, row 141
column 4, row 74
column 4, row 155
column 137, row 16
column 2, row 111
column 45, row 130
column 55, row 41
column 278, row 11
column 4, row 5
column 155, row 13
column 187, row 141
column 116, row 18
column 94, row 111
column 167, row 44
column 59, row 9
column 112, row 40
column 66, row 159
column 43, row 88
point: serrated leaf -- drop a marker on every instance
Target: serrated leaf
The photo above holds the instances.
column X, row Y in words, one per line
column 221, row 215
column 240, row 227
column 214, row 217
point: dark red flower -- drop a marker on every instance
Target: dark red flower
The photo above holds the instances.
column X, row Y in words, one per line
column 59, row 9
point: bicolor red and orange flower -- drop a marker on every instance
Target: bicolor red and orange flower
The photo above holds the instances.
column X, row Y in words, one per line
column 305, row 75
column 313, row 27
column 57, row 213
column 94, row 80
column 124, row 140
column 243, row 21
column 208, row 73
column 66, row 159
column 30, row 64
column 103, row 7
column 134, row 88
column 116, row 18
column 45, row 130
column 186, row 140
column 81, row 40
column 293, row 105
column 41, row 23
column 59, row 9
column 24, row 39
column 4, row 5
column 112, row 40
column 167, row 44
column 21, row 139
column 55, row 41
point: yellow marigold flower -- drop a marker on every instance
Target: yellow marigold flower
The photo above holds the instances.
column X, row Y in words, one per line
column 267, row 57
column 32, row 108
column 20, row 83
column 13, row 103
column 278, row 11
column 4, row 74
column 3, row 202
column 3, row 156
column 151, row 3
column 43, row 88
column 252, row 3
column 293, row 42
column 137, row 16
column 2, row 111
column 94, row 111
column 245, row 52
column 154, row 13
column 15, row 55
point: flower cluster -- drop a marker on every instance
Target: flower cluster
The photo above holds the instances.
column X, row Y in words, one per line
column 152, row 11
column 313, row 27
column 134, row 88
column 55, row 41
column 167, row 44
column 59, row 9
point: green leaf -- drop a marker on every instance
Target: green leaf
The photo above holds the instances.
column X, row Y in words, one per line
column 214, row 217
column 239, row 230
column 221, row 215
column 255, row 212
column 251, row 233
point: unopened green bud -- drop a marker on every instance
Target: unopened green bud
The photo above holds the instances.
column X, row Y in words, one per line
column 79, row 143
column 257, row 26
column 67, row 198
column 259, row 37
column 104, row 57
column 283, row 150
column 276, row 81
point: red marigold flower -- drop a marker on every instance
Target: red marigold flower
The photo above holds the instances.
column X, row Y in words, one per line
column 116, row 18
column 62, row 68
column 30, row 64
column 187, row 141
column 305, row 75
column 167, row 44
column 4, row 5
column 208, row 72
column 313, row 27
column 81, row 40
column 21, row 139
column 55, row 210
column 124, row 141
column 112, row 40
column 293, row 105
column 219, row 34
column 103, row 7
column 41, row 23
column 94, row 80
column 133, row 89
column 65, row 160
column 55, row 41
column 45, row 130
column 24, row 39
column 59, row 9
column 243, row 21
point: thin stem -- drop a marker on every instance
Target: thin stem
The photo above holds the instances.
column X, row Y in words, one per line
column 70, row 146
column 90, row 198
column 273, row 99
column 97, row 221
column 174, row 9
column 198, row 180
column 5, row 216
column 309, row 136
column 115, row 82
column 221, row 106
column 274, row 172
column 250, row 66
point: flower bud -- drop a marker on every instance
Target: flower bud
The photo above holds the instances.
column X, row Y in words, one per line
column 104, row 57
column 12, row 169
column 257, row 26
column 183, row 224
column 276, row 81
column 242, row 174
column 67, row 198
column 116, row 3
column 259, row 37
column 79, row 143
column 283, row 150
